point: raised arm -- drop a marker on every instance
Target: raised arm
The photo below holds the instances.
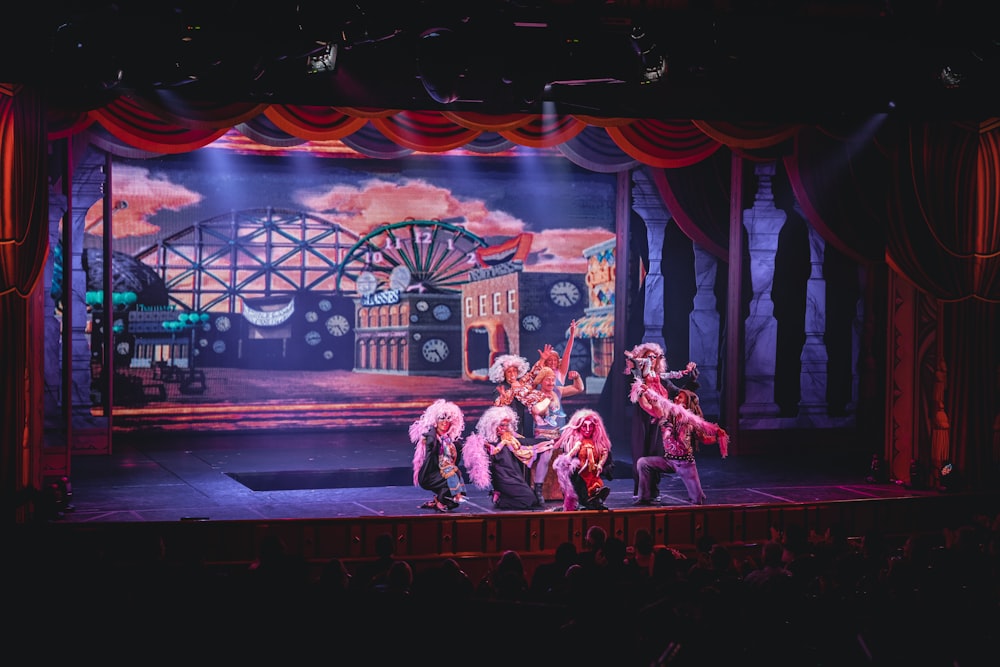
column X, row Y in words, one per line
column 564, row 362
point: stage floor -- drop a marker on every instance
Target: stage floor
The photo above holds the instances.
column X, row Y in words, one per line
column 367, row 473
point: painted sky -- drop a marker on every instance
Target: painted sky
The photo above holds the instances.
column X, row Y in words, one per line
column 566, row 208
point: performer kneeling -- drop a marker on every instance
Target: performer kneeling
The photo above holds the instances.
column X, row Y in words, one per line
column 500, row 459
column 583, row 463
column 435, row 436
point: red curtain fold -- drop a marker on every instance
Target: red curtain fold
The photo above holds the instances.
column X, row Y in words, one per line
column 24, row 223
column 198, row 114
column 427, row 131
column 62, row 124
column 944, row 215
column 134, row 124
column 840, row 181
column 545, row 131
column 314, row 123
column 749, row 135
column 667, row 144
column 697, row 197
column 486, row 123
column 973, row 394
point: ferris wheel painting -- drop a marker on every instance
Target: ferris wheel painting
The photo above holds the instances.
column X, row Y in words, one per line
column 424, row 256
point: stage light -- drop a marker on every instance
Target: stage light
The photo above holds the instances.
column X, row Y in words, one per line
column 653, row 64
column 441, row 63
column 950, row 78
column 324, row 59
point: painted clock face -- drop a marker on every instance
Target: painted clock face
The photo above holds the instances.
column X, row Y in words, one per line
column 435, row 350
column 222, row 323
column 367, row 283
column 422, row 306
column 219, row 346
column 531, row 322
column 564, row 293
column 442, row 312
column 313, row 338
column 325, row 305
column 123, row 347
column 337, row 325
column 312, row 316
column 399, row 278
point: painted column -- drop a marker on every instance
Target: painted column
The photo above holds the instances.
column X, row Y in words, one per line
column 705, row 322
column 646, row 201
column 763, row 223
column 814, row 357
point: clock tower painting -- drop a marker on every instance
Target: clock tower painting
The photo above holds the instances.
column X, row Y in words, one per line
column 506, row 310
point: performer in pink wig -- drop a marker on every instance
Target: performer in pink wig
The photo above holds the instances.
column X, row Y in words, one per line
column 435, row 437
column 584, row 461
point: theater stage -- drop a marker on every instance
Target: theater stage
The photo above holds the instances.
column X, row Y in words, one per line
column 319, row 475
column 332, row 493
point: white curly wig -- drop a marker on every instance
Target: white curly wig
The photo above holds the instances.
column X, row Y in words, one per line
column 491, row 420
column 503, row 362
column 427, row 422
column 639, row 351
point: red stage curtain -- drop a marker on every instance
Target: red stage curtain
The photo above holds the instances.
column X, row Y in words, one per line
column 23, row 250
column 747, row 135
column 944, row 236
column 544, row 131
column 944, row 215
column 24, row 221
column 840, row 183
column 697, row 197
column 426, row 131
column 669, row 144
column 314, row 123
column 135, row 125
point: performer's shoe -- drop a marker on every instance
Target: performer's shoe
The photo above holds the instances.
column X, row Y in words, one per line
column 646, row 502
column 603, row 494
column 430, row 504
column 447, row 505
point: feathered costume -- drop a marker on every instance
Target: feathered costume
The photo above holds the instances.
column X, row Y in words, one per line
column 680, row 429
column 646, row 363
column 683, row 419
column 496, row 457
column 435, row 456
column 583, row 461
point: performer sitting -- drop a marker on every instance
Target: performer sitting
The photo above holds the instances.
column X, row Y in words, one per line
column 435, row 436
column 583, row 462
column 681, row 426
column 497, row 457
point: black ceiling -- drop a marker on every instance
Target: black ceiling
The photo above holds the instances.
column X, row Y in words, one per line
column 755, row 59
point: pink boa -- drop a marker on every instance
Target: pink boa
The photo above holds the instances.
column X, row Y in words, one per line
column 476, row 460
column 565, row 466
column 681, row 416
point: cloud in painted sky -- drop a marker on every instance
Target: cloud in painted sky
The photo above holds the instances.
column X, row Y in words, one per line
column 570, row 243
column 137, row 197
column 375, row 202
